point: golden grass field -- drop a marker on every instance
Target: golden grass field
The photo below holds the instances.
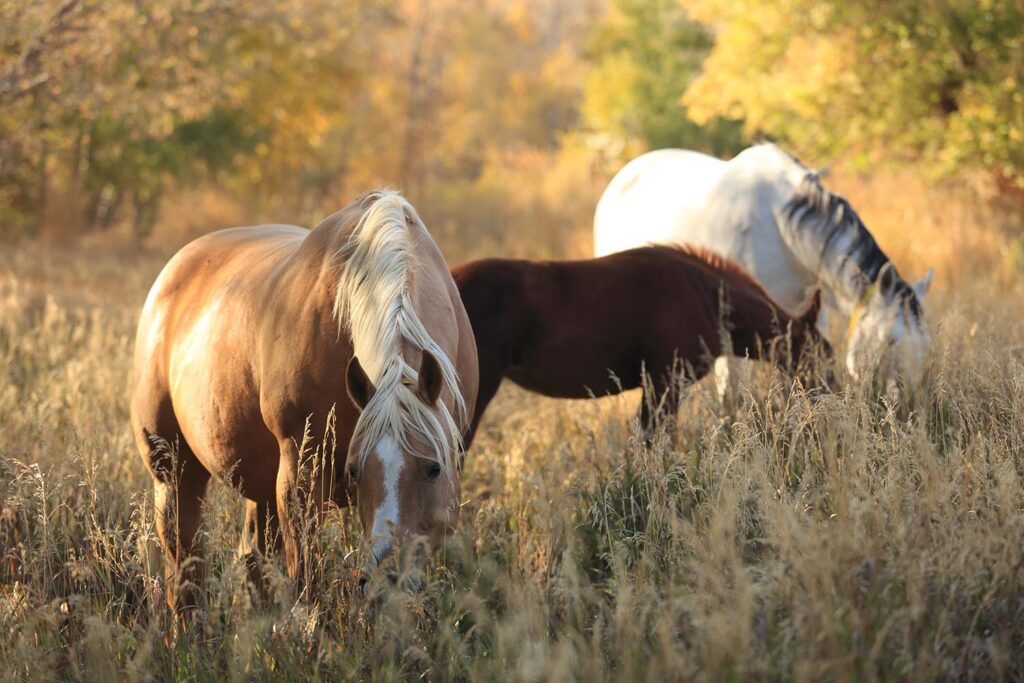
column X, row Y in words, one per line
column 844, row 538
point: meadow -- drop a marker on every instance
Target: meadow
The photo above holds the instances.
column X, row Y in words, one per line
column 843, row 537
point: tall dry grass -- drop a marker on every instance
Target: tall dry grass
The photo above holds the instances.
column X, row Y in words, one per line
column 831, row 539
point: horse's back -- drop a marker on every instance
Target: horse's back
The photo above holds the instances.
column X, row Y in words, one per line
column 223, row 251
column 681, row 197
column 647, row 199
column 198, row 271
column 575, row 328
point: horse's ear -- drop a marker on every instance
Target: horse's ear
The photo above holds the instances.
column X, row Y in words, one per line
column 431, row 379
column 887, row 279
column 360, row 387
column 810, row 315
column 922, row 286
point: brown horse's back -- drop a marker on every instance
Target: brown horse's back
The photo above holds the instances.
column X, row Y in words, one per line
column 576, row 328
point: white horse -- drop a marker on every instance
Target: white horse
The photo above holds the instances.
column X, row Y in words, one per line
column 769, row 212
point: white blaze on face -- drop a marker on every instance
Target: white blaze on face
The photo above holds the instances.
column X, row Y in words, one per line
column 385, row 517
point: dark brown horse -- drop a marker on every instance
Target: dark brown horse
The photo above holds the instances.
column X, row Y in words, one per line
column 575, row 329
column 252, row 340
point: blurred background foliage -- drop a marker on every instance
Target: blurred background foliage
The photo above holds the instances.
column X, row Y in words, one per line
column 643, row 56
column 131, row 114
column 933, row 82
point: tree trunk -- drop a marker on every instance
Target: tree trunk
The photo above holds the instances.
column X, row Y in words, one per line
column 409, row 162
column 43, row 175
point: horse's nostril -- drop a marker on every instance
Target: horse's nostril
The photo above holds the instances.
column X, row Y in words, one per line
column 363, row 580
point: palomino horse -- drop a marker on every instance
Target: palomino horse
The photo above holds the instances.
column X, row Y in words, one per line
column 254, row 339
column 770, row 213
column 576, row 329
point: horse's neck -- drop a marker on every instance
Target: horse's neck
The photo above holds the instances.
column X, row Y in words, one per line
column 752, row 321
column 831, row 243
column 848, row 281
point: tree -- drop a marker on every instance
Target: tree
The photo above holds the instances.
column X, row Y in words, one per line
column 463, row 80
column 936, row 81
column 643, row 56
column 288, row 105
column 113, row 99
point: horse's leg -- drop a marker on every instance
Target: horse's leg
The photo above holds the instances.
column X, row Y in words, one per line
column 673, row 399
column 490, row 380
column 648, row 409
column 726, row 383
column 262, row 531
column 823, row 322
column 261, row 536
column 300, row 504
column 731, row 374
column 179, row 486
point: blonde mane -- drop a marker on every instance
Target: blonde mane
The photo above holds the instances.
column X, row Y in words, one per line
column 374, row 302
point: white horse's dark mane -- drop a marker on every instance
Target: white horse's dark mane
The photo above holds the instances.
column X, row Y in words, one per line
column 828, row 222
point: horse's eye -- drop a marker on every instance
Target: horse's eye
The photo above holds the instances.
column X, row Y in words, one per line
column 352, row 473
column 434, row 472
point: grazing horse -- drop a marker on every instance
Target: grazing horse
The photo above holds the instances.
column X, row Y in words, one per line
column 770, row 213
column 256, row 342
column 578, row 329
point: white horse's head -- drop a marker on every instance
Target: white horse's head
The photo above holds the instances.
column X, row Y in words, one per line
column 887, row 329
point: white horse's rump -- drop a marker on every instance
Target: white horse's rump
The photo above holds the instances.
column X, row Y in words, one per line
column 770, row 213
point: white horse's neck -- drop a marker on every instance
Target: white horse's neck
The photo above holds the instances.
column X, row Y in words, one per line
column 827, row 237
